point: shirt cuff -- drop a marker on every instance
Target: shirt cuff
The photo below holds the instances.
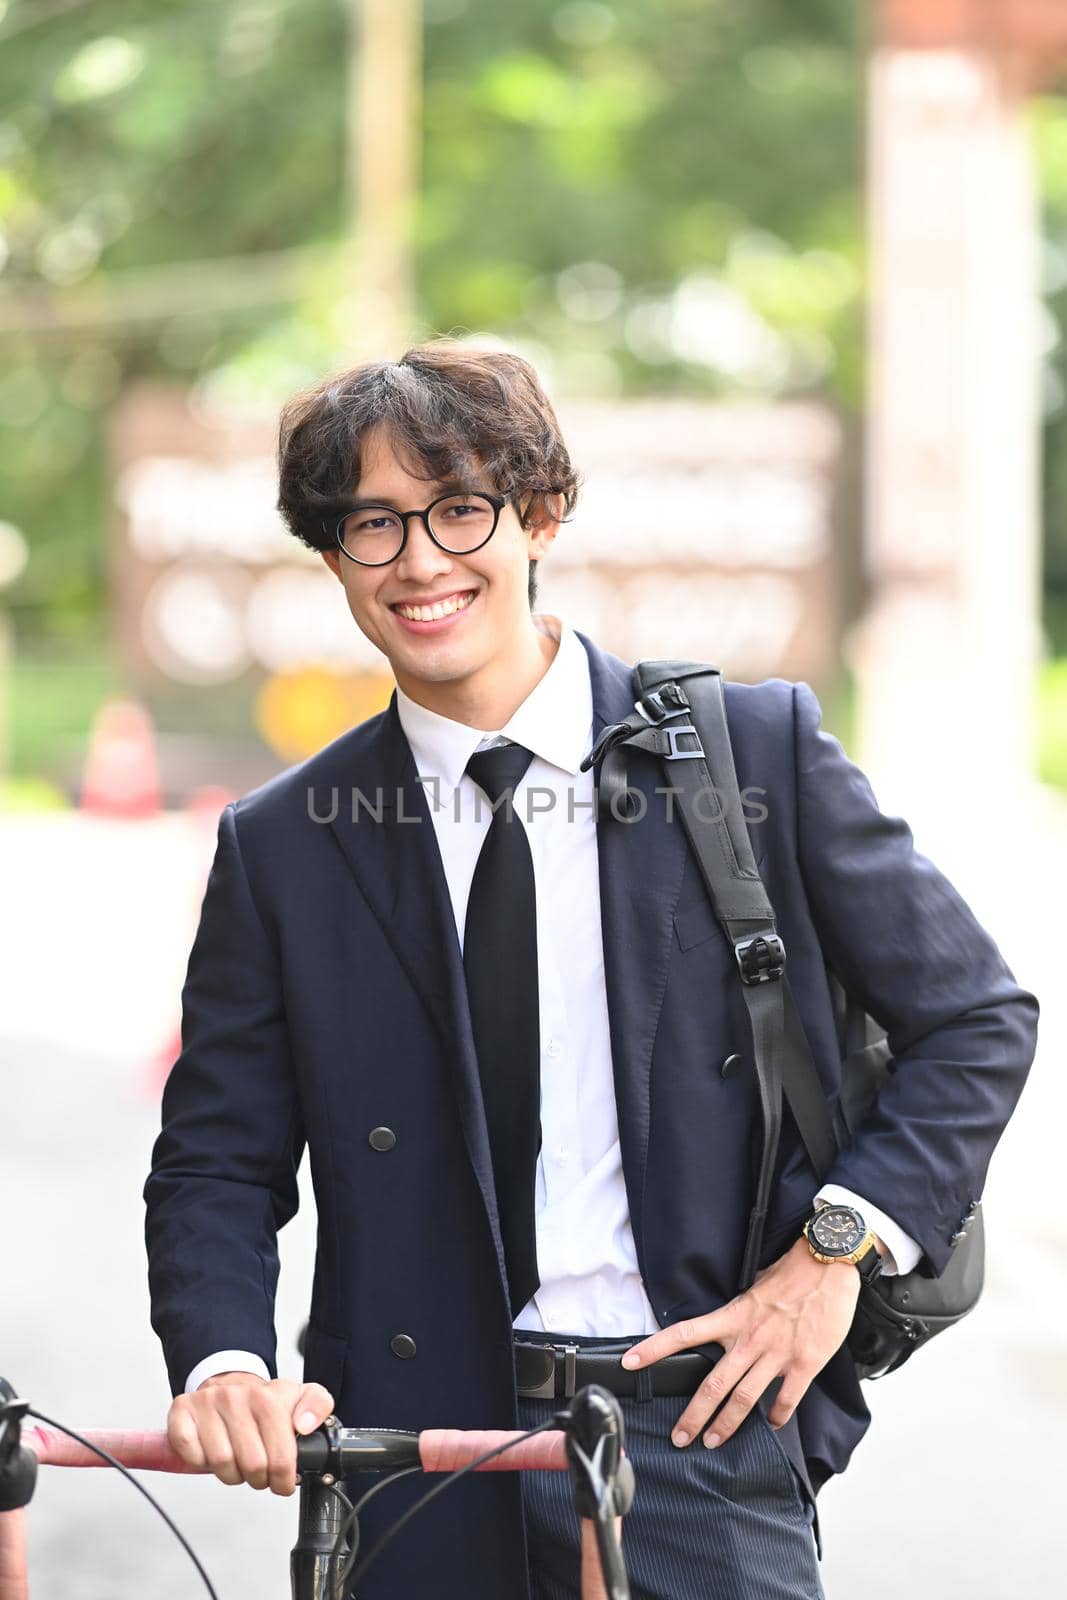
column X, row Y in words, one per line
column 904, row 1253
column 226, row 1361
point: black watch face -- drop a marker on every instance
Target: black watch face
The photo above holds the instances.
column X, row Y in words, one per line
column 837, row 1230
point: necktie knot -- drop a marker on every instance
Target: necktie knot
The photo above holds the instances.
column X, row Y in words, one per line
column 497, row 770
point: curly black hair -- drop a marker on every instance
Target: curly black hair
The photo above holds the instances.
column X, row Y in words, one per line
column 452, row 411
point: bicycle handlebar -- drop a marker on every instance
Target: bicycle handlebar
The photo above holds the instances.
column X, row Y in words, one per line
column 603, row 1478
column 359, row 1450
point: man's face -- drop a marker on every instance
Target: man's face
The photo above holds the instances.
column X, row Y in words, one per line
column 492, row 629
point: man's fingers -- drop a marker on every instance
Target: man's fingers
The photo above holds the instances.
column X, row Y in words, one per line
column 274, row 1423
column 313, row 1405
column 794, row 1387
column 183, row 1436
column 217, row 1446
column 245, row 1432
column 744, row 1395
column 710, row 1394
column 250, row 1455
column 709, row 1329
column 279, row 1422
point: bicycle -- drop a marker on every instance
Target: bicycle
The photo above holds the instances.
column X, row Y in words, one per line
column 586, row 1439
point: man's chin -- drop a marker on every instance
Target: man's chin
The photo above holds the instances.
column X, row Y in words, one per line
column 430, row 663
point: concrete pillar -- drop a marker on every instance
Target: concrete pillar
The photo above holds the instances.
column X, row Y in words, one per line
column 946, row 655
column 376, row 310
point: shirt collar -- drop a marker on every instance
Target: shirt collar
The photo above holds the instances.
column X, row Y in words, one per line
column 555, row 720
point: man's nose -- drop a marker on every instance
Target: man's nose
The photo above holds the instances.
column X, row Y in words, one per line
column 420, row 557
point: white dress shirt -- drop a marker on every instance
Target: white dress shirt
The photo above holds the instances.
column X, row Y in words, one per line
column 586, row 1258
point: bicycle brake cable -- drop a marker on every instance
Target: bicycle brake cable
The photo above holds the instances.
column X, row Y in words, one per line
column 352, row 1522
column 431, row 1494
column 338, row 1494
column 126, row 1473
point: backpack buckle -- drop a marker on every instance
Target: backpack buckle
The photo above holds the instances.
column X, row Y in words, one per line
column 669, row 700
column 760, row 958
column 658, row 707
column 672, row 734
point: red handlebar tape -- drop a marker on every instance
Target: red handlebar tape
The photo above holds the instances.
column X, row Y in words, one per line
column 441, row 1450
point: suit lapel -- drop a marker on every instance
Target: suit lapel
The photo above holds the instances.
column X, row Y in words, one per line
column 397, row 864
column 641, row 867
column 398, row 867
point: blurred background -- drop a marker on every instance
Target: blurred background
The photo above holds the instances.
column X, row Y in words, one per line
column 795, row 275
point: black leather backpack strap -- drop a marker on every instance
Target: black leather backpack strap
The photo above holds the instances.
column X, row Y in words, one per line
column 680, row 715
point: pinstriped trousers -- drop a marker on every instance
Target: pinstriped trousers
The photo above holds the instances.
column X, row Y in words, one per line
column 726, row 1524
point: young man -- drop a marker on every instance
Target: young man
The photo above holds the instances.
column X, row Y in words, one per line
column 513, row 1041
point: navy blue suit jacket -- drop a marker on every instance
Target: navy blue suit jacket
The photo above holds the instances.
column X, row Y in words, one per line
column 325, row 997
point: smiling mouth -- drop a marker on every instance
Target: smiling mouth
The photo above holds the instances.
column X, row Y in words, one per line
column 436, row 613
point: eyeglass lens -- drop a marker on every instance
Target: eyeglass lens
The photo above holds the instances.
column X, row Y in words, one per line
column 461, row 523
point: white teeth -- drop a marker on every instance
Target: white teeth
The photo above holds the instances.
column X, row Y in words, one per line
column 444, row 608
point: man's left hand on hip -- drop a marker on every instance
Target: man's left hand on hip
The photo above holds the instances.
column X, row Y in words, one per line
column 788, row 1324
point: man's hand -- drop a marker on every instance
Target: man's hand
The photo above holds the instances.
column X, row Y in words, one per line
column 796, row 1314
column 243, row 1428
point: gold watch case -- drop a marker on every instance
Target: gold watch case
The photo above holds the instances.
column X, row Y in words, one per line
column 856, row 1255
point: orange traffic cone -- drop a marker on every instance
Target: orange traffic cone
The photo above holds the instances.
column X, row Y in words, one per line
column 203, row 809
column 121, row 776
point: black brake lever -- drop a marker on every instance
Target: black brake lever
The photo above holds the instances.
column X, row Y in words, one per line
column 18, row 1465
column 601, row 1475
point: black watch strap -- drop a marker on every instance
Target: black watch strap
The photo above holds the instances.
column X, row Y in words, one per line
column 870, row 1264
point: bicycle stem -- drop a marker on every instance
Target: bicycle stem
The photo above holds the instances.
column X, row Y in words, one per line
column 313, row 1567
column 339, row 1451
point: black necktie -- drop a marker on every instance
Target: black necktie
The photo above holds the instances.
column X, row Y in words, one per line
column 500, row 958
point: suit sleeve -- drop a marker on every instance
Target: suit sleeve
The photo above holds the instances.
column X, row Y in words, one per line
column 223, row 1173
column 904, row 942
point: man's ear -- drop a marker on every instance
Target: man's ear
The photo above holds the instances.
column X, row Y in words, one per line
column 542, row 532
column 332, row 559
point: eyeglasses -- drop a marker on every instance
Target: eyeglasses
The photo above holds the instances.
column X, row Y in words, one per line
column 457, row 523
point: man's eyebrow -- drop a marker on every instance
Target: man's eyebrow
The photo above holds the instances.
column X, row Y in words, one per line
column 444, row 486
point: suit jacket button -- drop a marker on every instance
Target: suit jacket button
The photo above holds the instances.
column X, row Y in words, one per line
column 402, row 1345
column 955, row 1239
column 731, row 1065
column 382, row 1139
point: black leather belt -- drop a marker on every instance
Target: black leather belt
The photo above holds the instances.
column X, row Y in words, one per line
column 557, row 1371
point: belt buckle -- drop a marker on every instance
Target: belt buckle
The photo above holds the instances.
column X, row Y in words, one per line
column 561, row 1383
column 569, row 1369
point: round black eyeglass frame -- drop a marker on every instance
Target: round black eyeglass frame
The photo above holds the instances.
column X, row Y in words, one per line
column 498, row 502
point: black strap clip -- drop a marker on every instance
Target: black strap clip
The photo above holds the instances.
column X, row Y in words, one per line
column 660, row 706
column 760, row 958
column 674, row 752
column 669, row 700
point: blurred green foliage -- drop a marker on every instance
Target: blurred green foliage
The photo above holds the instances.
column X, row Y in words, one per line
column 1052, row 723
column 1049, row 122
column 53, row 701
column 602, row 183
column 646, row 196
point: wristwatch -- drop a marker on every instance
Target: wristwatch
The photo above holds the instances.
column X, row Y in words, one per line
column 839, row 1233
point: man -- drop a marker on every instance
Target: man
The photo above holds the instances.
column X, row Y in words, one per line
column 513, row 1041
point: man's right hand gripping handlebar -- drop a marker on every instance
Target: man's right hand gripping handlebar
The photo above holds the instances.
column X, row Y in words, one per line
column 243, row 1427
